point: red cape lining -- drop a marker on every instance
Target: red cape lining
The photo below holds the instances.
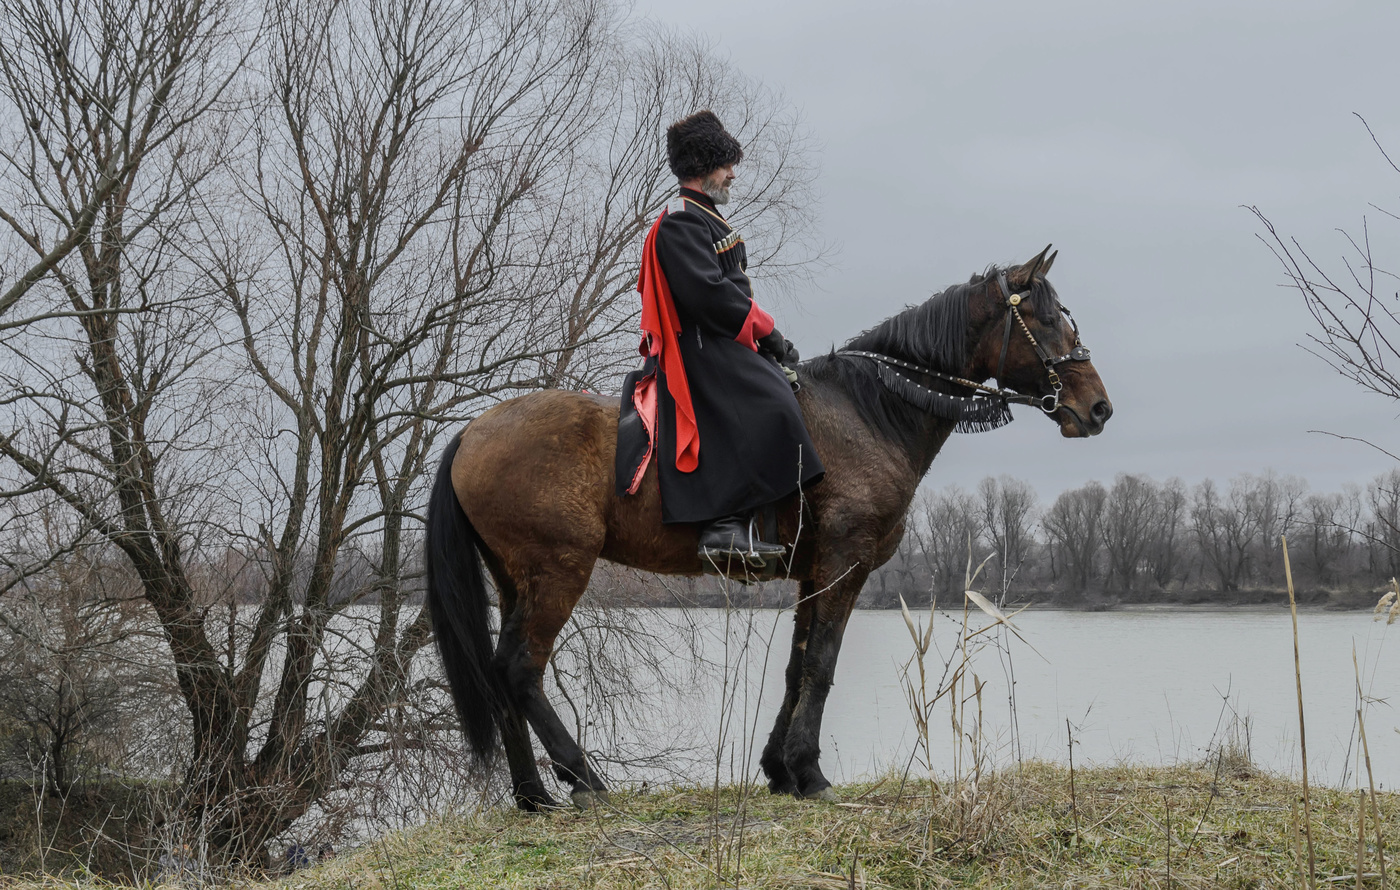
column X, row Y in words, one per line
column 661, row 329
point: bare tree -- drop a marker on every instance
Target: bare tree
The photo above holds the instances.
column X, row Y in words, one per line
column 1166, row 552
column 76, row 649
column 1326, row 534
column 946, row 523
column 1127, row 528
column 1275, row 507
column 395, row 281
column 1356, row 321
column 349, row 327
column 105, row 105
column 1225, row 529
column 120, row 105
column 1356, row 311
column 1074, row 523
column 1383, row 531
column 1008, row 508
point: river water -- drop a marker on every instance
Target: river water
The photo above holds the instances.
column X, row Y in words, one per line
column 1153, row 687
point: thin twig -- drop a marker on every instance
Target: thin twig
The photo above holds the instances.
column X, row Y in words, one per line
column 1214, row 793
column 1073, row 798
column 1168, row 832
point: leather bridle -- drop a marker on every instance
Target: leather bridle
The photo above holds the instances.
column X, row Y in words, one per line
column 1049, row 403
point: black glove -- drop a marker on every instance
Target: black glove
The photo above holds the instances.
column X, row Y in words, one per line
column 779, row 348
column 790, row 356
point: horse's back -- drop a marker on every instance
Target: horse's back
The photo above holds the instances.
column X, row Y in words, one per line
column 536, row 477
column 536, row 473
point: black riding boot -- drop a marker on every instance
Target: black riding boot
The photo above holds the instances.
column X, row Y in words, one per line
column 733, row 537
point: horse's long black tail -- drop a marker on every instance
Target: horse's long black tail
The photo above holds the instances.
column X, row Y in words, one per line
column 460, row 608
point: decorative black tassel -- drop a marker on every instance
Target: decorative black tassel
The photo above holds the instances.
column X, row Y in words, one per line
column 973, row 414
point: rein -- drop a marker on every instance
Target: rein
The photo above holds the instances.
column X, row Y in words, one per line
column 989, row 406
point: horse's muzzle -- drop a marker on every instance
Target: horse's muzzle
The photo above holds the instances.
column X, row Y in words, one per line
column 1091, row 423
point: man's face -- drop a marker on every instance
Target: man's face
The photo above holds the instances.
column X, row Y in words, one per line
column 717, row 184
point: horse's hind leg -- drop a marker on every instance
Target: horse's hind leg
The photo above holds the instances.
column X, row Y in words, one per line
column 525, row 782
column 780, row 781
column 526, row 643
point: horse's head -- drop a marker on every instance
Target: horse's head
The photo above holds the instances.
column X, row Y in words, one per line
column 1030, row 343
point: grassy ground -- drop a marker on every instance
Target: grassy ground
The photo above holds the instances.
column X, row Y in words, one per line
column 1127, row 827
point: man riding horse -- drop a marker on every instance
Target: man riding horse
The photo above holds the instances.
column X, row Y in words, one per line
column 523, row 491
column 714, row 399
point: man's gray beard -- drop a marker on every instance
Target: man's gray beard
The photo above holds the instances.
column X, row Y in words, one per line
column 718, row 193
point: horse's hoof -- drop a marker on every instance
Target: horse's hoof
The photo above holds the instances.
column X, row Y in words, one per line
column 542, row 803
column 532, row 798
column 827, row 794
column 586, row 799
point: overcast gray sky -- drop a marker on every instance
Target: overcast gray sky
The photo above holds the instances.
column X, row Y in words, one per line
column 954, row 135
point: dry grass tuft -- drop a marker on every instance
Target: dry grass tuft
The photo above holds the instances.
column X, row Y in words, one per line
column 1389, row 605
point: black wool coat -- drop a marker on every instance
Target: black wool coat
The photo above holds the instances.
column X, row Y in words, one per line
column 754, row 447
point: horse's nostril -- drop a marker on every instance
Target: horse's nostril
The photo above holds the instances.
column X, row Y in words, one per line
column 1101, row 411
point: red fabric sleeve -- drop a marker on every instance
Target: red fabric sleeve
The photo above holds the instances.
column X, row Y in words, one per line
column 757, row 325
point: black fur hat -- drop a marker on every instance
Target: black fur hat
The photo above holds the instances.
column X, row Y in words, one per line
column 699, row 145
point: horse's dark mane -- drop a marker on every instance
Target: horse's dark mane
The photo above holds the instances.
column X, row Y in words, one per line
column 935, row 333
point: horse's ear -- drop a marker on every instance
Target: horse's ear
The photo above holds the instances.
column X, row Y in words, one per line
column 1049, row 261
column 1020, row 277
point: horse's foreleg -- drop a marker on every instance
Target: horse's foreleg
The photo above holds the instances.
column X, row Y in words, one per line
column 802, row 748
column 780, row 781
column 522, row 654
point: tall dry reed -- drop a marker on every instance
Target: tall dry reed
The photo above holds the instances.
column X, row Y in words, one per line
column 1302, row 730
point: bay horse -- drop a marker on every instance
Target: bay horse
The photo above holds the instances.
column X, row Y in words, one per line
column 528, row 489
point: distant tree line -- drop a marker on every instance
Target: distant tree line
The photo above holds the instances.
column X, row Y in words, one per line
column 1140, row 540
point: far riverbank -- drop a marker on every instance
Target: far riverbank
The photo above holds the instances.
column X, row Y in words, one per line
column 711, row 593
